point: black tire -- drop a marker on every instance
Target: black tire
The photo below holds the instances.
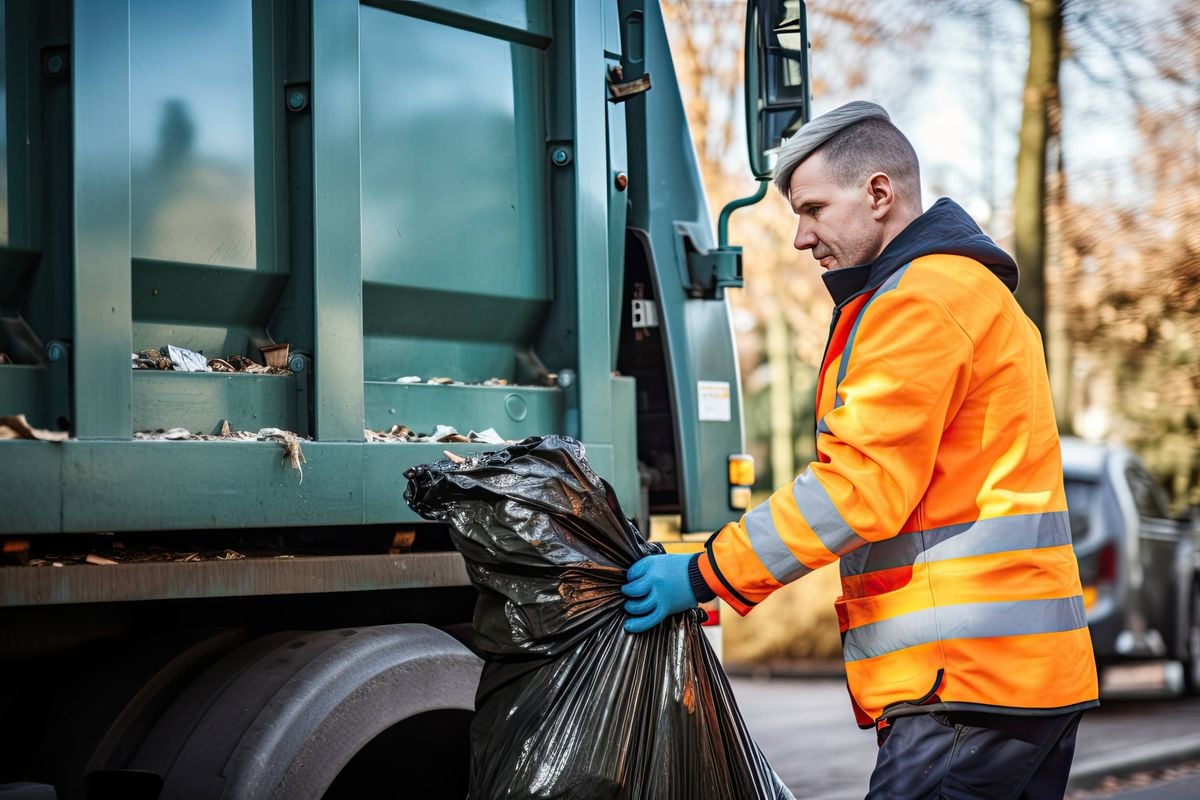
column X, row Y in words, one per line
column 1191, row 659
column 116, row 706
column 283, row 717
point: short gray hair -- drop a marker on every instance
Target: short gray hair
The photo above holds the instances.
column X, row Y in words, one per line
column 859, row 138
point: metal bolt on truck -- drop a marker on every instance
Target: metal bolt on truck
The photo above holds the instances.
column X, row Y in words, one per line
column 257, row 258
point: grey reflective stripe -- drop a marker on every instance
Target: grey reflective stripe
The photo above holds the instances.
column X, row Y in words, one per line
column 769, row 548
column 891, row 283
column 823, row 516
column 964, row 621
column 822, row 427
column 982, row 537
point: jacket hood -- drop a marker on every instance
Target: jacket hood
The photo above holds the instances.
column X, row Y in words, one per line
column 944, row 229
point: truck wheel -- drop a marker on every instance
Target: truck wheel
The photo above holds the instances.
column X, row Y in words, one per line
column 116, row 707
column 366, row 712
column 1191, row 660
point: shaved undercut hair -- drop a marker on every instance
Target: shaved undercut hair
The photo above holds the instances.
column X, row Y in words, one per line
column 857, row 140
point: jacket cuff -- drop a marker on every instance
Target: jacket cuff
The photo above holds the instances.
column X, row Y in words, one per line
column 717, row 583
column 700, row 587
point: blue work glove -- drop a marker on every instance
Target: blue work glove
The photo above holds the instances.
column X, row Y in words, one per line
column 658, row 586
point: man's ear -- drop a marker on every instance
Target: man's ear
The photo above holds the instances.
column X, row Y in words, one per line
column 879, row 187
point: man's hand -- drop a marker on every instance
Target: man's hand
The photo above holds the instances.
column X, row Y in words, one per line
column 658, row 586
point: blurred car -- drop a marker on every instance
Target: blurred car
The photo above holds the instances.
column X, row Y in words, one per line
column 1138, row 565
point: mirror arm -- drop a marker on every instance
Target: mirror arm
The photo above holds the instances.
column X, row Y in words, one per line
column 711, row 272
column 734, row 205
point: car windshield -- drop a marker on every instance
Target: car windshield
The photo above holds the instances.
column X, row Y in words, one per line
column 1081, row 494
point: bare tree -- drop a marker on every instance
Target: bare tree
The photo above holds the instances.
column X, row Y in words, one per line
column 1039, row 130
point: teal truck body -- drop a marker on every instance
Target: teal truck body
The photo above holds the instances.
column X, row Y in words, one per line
column 500, row 193
column 409, row 219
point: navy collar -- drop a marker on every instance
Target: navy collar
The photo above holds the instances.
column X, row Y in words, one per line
column 844, row 283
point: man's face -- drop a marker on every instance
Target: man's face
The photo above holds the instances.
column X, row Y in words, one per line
column 838, row 224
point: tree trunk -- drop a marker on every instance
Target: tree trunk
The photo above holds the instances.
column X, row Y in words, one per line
column 1029, row 197
column 1061, row 273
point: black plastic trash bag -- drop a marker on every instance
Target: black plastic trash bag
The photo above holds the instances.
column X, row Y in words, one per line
column 569, row 705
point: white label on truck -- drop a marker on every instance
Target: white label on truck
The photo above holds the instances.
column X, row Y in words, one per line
column 714, row 399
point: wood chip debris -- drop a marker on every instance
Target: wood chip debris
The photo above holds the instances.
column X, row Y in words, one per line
column 120, row 555
column 14, row 551
column 291, row 447
column 150, row 359
column 402, row 542
column 17, row 427
column 247, row 365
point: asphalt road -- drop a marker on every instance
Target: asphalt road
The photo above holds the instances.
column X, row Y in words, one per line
column 807, row 732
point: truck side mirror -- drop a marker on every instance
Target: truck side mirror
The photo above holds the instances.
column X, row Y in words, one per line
column 777, row 85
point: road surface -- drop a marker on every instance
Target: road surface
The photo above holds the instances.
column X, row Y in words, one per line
column 807, row 732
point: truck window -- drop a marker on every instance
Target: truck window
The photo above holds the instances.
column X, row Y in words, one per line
column 191, row 141
column 1147, row 496
column 1081, row 494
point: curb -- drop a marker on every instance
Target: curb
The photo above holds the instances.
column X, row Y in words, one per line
column 1088, row 773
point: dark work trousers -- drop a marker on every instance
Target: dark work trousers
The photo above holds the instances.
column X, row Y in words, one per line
column 959, row 755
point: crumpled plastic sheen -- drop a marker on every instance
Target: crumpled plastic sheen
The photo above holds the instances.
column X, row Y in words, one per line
column 569, row 704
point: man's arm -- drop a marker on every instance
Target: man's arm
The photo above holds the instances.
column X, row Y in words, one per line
column 907, row 375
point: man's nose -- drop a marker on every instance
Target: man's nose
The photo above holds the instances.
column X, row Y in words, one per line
column 805, row 239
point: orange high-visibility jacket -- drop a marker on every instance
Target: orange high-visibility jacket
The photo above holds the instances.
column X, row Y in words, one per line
column 939, row 486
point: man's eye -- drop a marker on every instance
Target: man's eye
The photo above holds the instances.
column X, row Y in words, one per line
column 814, row 210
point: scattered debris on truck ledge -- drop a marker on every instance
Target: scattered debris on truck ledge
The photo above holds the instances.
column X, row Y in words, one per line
column 180, row 359
column 17, row 427
column 442, row 381
column 118, row 556
column 441, row 434
column 290, row 442
column 245, row 365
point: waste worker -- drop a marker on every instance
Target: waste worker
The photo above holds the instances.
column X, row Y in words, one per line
column 938, row 484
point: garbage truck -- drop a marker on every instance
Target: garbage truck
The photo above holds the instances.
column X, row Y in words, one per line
column 258, row 258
